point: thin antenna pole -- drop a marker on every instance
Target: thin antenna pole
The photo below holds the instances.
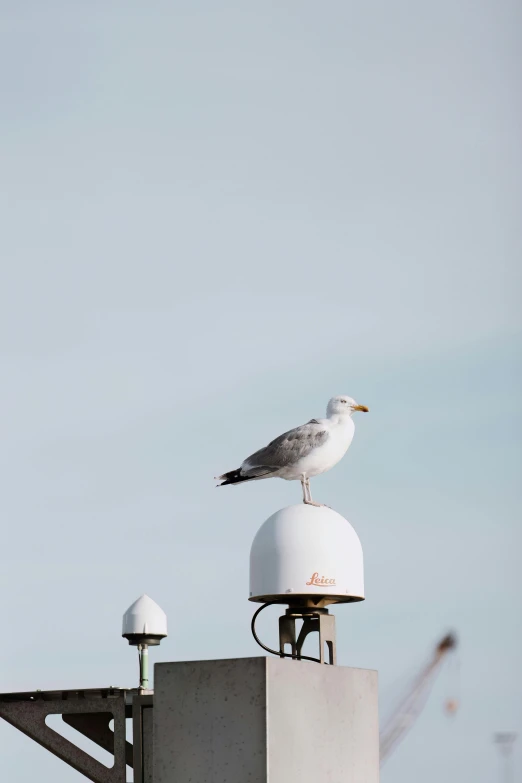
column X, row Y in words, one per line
column 505, row 742
column 143, row 652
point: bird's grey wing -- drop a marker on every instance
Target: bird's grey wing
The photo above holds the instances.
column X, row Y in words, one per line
column 288, row 448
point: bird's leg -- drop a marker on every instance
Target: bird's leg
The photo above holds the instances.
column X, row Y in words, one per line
column 309, row 501
column 304, row 488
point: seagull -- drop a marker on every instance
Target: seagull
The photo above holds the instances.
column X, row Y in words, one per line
column 303, row 452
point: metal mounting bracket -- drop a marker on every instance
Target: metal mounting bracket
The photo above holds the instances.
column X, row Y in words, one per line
column 314, row 620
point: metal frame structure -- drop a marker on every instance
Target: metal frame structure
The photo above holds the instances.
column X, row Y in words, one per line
column 90, row 712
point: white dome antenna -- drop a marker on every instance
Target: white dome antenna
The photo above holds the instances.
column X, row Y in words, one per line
column 307, row 557
column 144, row 626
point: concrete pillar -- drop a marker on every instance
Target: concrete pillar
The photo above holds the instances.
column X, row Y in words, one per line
column 254, row 720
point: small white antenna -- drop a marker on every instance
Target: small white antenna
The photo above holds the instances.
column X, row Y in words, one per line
column 144, row 626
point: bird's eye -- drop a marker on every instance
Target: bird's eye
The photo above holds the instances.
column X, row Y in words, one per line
column 343, row 400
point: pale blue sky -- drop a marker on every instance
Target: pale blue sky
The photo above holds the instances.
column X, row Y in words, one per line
column 215, row 216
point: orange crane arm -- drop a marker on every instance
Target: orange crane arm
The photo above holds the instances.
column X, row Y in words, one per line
column 411, row 705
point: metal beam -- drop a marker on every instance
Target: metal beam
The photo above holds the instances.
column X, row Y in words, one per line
column 88, row 711
column 142, row 737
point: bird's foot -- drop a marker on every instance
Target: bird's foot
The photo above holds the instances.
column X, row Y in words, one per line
column 313, row 503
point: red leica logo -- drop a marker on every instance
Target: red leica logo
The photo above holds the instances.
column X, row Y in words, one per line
column 320, row 581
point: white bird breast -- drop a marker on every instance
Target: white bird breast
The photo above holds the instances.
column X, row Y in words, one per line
column 323, row 457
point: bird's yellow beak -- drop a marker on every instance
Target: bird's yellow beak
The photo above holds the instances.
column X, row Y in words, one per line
column 362, row 408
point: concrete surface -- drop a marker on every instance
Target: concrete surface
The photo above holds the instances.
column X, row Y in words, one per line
column 254, row 720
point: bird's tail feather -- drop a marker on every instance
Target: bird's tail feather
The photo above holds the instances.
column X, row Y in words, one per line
column 237, row 476
column 232, row 477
